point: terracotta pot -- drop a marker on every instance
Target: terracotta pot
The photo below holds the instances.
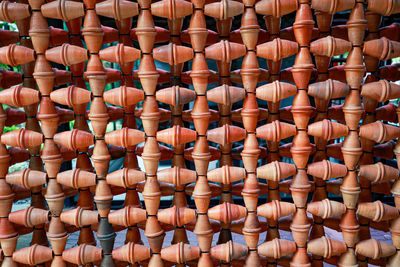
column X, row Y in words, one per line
column 79, row 217
column 234, row 51
column 131, row 253
column 117, row 9
column 67, row 54
column 171, row 9
column 29, row 217
column 180, row 253
column 127, row 216
column 75, row 139
column 229, row 251
column 276, row 8
column 277, row 248
column 386, row 8
column 326, row 247
column 125, row 177
column 15, row 55
column 326, row 208
column 375, row 249
column 377, row 211
column 27, row 178
column 64, row 10
column 76, row 178
column 82, row 254
column 226, row 212
column 33, row 255
column 276, row 209
column 22, row 138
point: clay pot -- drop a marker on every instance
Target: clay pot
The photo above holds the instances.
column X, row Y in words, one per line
column 351, row 150
column 22, row 138
column 27, row 178
column 127, row 216
column 71, row 96
column 150, row 116
column 301, row 149
column 57, row 235
column 354, row 68
column 125, row 137
column 10, row 12
column 233, row 51
column 379, row 132
column 175, row 96
column 381, row 91
column 276, row 209
column 276, row 8
column 19, row 96
column 350, row 190
column 378, row 172
column 54, row 197
column 377, row 211
column 29, row 217
column 75, row 139
column 63, row 10
column 67, row 54
column 276, row 131
column 326, row 170
column 326, row 247
column 300, row 228
column 82, row 254
column 330, row 47
column 176, row 136
column 229, row 251
column 177, row 216
column 76, row 178
column 226, row 134
column 382, row 48
column 200, row 73
column 226, row 212
column 276, row 91
column 226, row 174
column 277, row 248
column 33, row 255
column 125, row 177
column 277, row 49
column 15, row 55
column 326, row 208
column 117, row 9
column 177, row 176
column 171, row 9
column 276, row 171
column 223, row 10
column 328, row 89
column 225, row 95
column 180, row 253
column 375, row 249
column 123, row 96
column 173, row 54
column 327, row 130
column 79, row 217
column 385, row 8
column 131, row 253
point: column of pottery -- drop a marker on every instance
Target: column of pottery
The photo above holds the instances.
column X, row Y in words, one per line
column 225, row 95
column 177, row 136
column 201, row 118
column 368, row 171
column 250, row 113
column 323, row 91
column 11, row 55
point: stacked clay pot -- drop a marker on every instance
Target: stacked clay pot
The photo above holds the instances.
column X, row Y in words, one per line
column 231, row 121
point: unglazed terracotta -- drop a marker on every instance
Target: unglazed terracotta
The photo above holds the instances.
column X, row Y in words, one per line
column 326, row 125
